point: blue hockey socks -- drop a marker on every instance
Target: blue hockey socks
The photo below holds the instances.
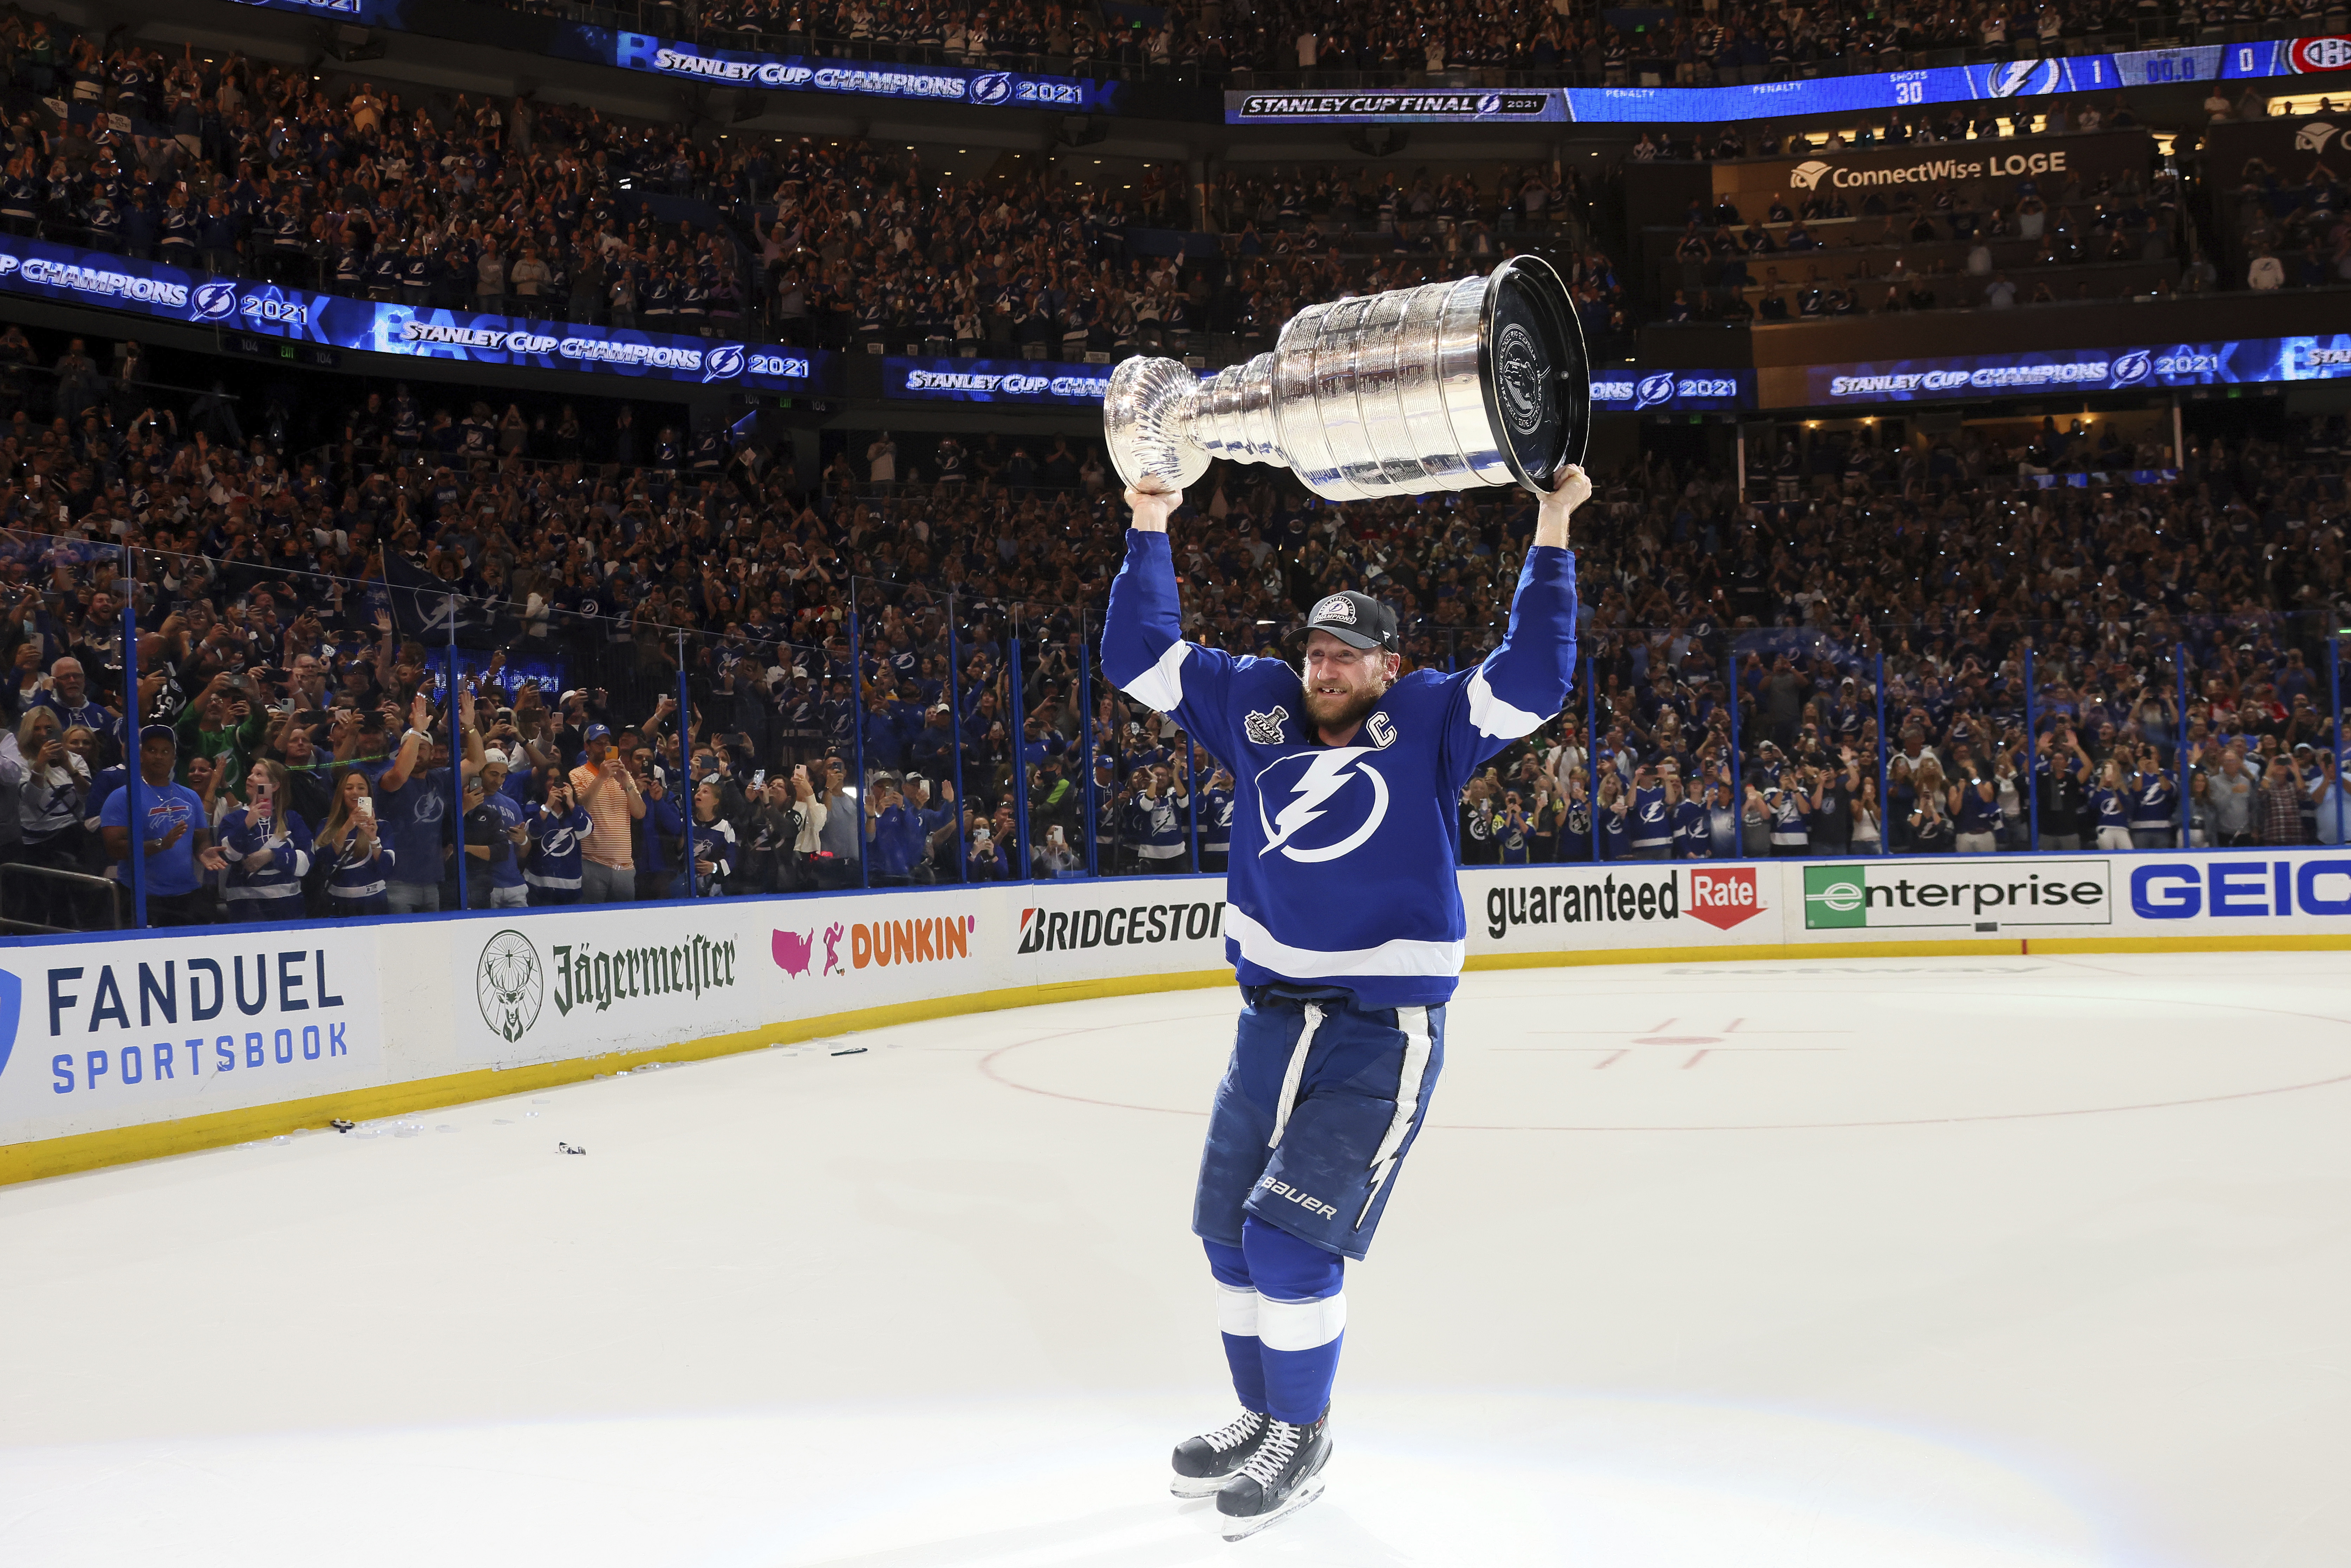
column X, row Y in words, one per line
column 1298, row 1314
column 1237, row 1310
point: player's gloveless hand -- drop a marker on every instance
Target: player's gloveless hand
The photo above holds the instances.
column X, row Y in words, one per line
column 1152, row 509
column 1571, row 487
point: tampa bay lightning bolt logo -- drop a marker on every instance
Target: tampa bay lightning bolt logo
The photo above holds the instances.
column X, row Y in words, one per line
column 1491, row 103
column 996, row 86
column 1653, row 391
column 2130, row 369
column 213, row 301
column 1333, row 803
column 723, row 363
column 2023, row 79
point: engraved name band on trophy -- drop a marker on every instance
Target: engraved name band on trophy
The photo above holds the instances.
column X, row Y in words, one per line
column 1448, row 386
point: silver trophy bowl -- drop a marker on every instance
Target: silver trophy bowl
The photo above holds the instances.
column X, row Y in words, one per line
column 1444, row 387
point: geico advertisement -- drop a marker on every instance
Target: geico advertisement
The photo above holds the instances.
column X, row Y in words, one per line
column 1624, row 904
column 109, row 1034
column 2242, row 891
column 572, row 982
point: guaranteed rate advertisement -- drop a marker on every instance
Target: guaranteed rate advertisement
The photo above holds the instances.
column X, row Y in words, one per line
column 61, row 273
column 2242, row 362
column 1820, row 95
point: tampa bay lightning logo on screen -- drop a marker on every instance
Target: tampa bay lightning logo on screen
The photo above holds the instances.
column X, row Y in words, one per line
column 2023, row 79
column 1653, row 391
column 1490, row 103
column 1324, row 803
column 996, row 86
column 723, row 363
column 213, row 301
column 2130, row 369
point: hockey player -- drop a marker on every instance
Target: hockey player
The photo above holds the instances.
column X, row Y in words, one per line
column 1346, row 927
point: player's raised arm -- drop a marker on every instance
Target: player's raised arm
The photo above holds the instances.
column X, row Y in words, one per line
column 1143, row 647
column 1519, row 685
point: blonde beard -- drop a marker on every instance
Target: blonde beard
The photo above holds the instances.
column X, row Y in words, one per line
column 1353, row 709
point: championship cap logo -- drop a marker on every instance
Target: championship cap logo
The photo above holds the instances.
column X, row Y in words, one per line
column 1338, row 608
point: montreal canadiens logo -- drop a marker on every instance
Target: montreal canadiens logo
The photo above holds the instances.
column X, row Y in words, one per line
column 1653, row 391
column 213, row 301
column 1323, row 804
column 723, row 363
column 2319, row 53
column 2132, row 368
column 996, row 86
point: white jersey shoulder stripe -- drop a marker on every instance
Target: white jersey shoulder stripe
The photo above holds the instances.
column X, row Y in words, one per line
column 1494, row 717
column 1401, row 956
column 1161, row 688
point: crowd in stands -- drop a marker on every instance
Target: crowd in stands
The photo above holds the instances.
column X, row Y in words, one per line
column 1824, row 253
column 658, row 680
column 2296, row 234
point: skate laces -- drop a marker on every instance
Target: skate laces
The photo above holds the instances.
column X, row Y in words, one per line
column 1274, row 1454
column 1240, row 1429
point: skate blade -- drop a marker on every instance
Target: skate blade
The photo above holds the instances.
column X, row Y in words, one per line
column 1197, row 1486
column 1242, row 1528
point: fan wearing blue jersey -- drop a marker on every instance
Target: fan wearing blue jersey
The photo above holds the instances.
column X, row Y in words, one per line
column 1345, row 928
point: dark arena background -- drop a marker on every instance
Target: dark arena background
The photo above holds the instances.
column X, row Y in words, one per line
column 580, row 536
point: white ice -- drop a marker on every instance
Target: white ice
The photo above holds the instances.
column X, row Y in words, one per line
column 2035, row 1262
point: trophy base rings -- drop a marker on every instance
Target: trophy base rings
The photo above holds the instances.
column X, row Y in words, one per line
column 1448, row 386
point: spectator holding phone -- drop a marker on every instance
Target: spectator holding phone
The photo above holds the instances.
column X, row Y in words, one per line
column 714, row 849
column 557, row 827
column 2154, row 801
column 357, row 860
column 267, row 848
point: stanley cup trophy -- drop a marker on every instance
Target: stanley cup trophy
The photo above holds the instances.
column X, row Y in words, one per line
column 1444, row 387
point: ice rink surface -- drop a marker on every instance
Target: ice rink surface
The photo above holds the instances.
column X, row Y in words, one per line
column 1919, row 1263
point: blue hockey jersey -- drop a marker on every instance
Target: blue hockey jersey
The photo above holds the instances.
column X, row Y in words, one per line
column 1343, row 857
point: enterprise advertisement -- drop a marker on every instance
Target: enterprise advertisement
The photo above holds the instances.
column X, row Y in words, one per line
column 2242, row 362
column 45, row 271
column 1820, row 95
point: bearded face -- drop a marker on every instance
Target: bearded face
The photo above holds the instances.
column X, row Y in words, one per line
column 1343, row 684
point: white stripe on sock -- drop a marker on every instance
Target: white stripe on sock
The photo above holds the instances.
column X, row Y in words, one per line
column 1236, row 1311
column 1301, row 1325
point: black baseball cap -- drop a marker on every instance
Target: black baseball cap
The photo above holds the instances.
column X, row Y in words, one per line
column 1355, row 619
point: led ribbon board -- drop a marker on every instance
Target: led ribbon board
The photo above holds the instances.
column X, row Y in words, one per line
column 1818, row 95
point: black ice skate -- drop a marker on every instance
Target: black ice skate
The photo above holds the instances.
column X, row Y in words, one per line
column 1283, row 1476
column 1205, row 1463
